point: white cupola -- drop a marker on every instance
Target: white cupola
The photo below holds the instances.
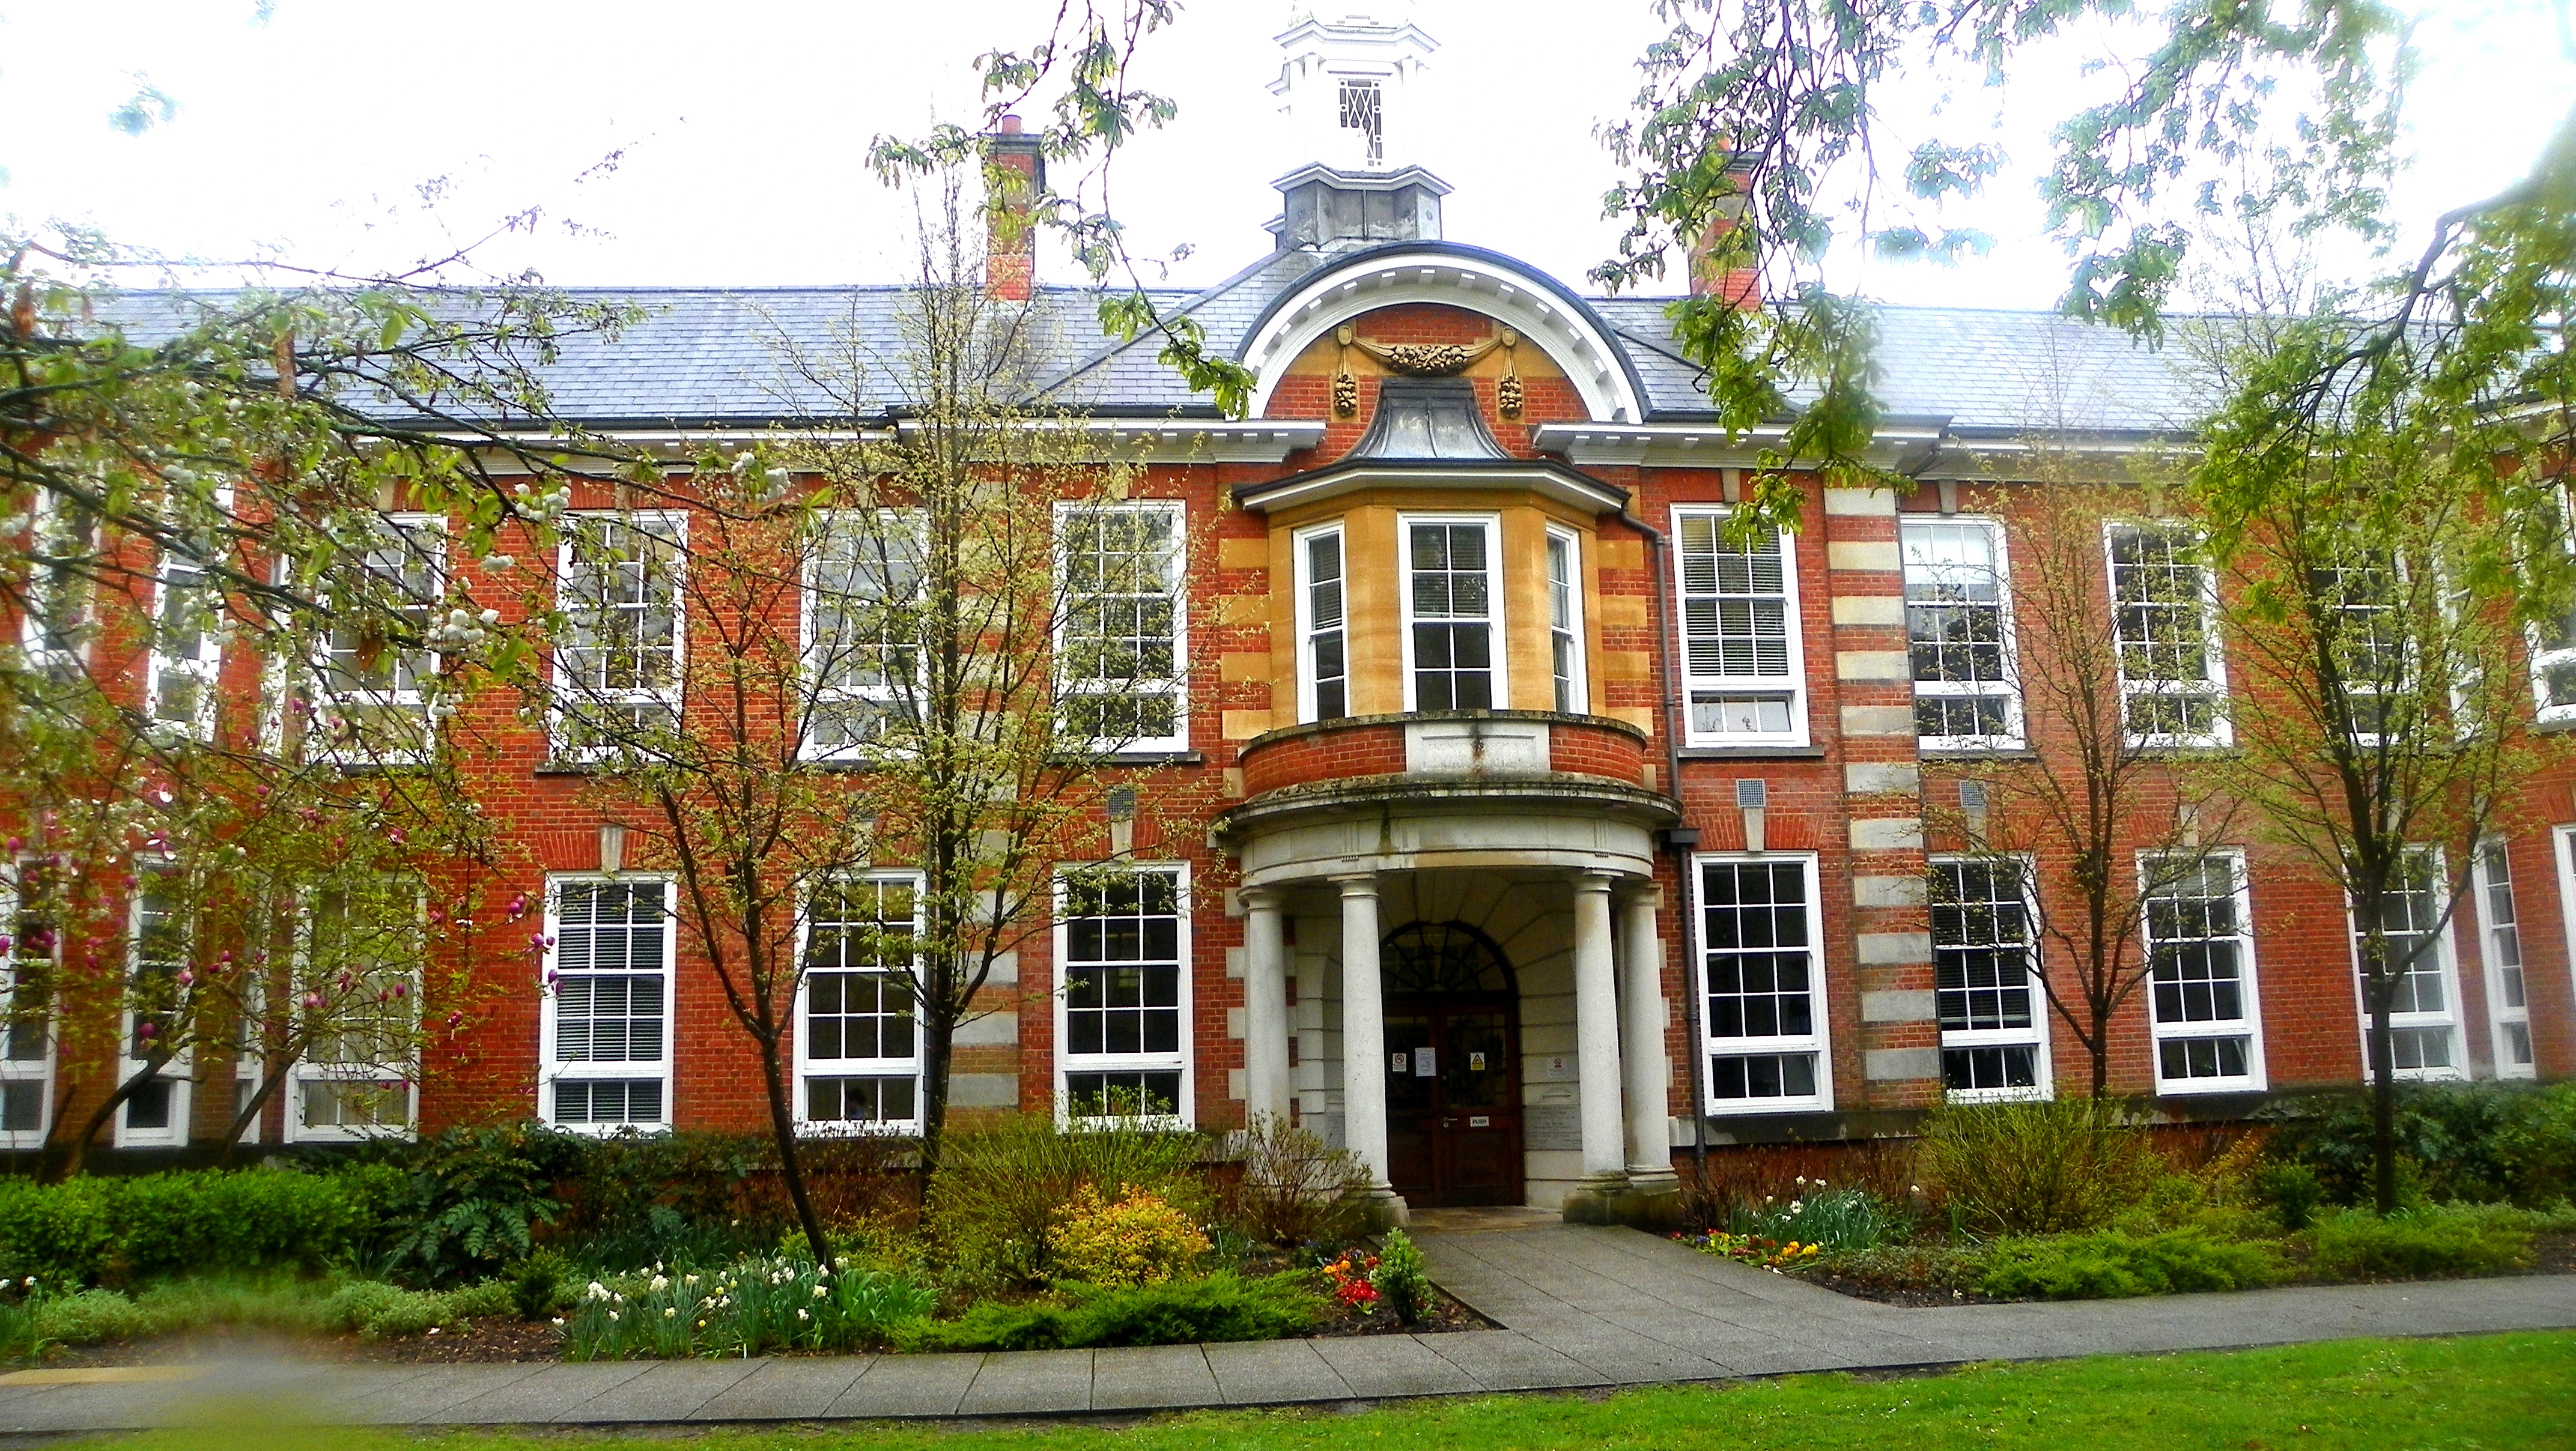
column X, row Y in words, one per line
column 1350, row 76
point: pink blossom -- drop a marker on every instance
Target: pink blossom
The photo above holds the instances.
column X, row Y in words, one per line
column 402, row 990
column 187, row 977
column 518, row 906
column 145, row 1030
column 312, row 1002
column 455, row 1018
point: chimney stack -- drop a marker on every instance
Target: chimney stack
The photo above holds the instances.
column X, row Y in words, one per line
column 1014, row 175
column 1739, row 286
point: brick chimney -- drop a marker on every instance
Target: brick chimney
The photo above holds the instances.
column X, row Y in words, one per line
column 1014, row 166
column 1739, row 286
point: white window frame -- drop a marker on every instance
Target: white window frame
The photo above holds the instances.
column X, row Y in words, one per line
column 1497, row 639
column 2449, row 1020
column 2546, row 657
column 40, row 1069
column 2248, row 1024
column 1184, row 1058
column 808, row 1067
column 2498, row 940
column 306, row 1069
column 570, row 697
column 885, row 694
column 2011, row 737
column 1793, row 684
column 1308, row 677
column 550, row 1070
column 1818, row 1042
column 2035, row 1037
column 2213, row 685
column 1177, row 687
column 1572, row 689
column 179, row 1073
column 37, row 621
column 426, row 534
column 203, row 667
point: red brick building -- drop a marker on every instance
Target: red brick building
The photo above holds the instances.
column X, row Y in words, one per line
column 1558, row 831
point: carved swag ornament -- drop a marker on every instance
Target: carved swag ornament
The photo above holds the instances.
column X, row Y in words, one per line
column 1427, row 360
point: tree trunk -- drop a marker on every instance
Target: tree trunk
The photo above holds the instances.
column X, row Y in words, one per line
column 938, row 1036
column 269, row 1078
column 2101, row 1051
column 791, row 1157
column 2383, row 1103
column 76, row 1153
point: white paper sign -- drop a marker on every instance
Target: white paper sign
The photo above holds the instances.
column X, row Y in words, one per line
column 1424, row 1064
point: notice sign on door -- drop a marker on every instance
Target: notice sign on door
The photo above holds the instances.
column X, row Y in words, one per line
column 1398, row 1067
column 1475, row 1062
column 1424, row 1061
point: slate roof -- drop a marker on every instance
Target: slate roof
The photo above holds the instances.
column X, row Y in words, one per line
column 713, row 356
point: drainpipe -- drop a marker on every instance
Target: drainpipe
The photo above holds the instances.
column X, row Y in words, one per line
column 1680, row 839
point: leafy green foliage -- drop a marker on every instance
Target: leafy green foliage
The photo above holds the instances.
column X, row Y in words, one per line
column 470, row 1200
column 1000, row 1189
column 2422, row 1242
column 753, row 1306
column 157, row 1226
column 2036, row 1166
column 1403, row 1282
column 369, row 1309
column 2479, row 1143
column 2112, row 1266
column 1221, row 1307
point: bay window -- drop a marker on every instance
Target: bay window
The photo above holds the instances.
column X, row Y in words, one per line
column 1452, row 598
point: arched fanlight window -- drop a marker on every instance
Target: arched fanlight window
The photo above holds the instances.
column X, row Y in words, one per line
column 1444, row 958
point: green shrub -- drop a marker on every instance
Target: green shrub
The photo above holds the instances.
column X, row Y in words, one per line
column 1841, row 1220
column 1221, row 1307
column 2292, row 1192
column 368, row 1308
column 470, row 1200
column 1294, row 1188
column 999, row 1190
column 2420, row 1242
column 2042, row 1166
column 2478, row 1143
column 2113, row 1266
column 133, row 1231
column 63, row 1234
column 1138, row 1240
column 1402, row 1280
column 95, row 1317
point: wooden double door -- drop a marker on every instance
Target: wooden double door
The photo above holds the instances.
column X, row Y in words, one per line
column 1453, row 1098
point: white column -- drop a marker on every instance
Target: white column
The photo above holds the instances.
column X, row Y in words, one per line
column 1596, row 1028
column 1363, row 1032
column 1265, row 1007
column 1641, row 1036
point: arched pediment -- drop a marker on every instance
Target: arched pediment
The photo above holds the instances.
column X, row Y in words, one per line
column 1542, row 310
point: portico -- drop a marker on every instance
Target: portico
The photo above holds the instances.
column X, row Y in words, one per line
column 1500, row 916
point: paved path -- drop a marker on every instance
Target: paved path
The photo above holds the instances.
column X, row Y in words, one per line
column 1585, row 1308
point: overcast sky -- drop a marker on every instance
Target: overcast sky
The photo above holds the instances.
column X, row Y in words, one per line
column 741, row 130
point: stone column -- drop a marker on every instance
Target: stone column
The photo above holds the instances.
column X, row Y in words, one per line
column 1265, row 1007
column 1596, row 1029
column 1641, row 1038
column 1363, row 1033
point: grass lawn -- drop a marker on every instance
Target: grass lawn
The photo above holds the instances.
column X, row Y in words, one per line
column 2493, row 1391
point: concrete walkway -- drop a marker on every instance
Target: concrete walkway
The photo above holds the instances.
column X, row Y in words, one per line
column 1585, row 1308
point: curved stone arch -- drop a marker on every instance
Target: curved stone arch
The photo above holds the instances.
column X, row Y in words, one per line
column 1540, row 308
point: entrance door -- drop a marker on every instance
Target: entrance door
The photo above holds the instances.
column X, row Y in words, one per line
column 1453, row 1091
column 1453, row 1118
